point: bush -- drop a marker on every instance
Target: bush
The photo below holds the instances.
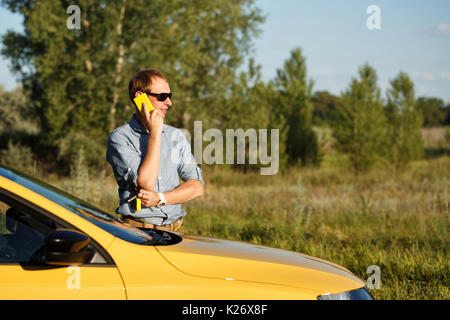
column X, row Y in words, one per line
column 69, row 148
column 19, row 157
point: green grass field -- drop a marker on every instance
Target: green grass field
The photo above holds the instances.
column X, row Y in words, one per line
column 398, row 221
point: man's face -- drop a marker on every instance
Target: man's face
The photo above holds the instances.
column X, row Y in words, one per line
column 160, row 86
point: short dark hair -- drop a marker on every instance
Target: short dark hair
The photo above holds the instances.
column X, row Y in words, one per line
column 142, row 81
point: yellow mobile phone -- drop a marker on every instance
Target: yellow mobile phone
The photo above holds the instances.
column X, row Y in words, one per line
column 138, row 204
column 143, row 98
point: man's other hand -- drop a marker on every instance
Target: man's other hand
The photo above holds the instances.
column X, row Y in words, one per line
column 148, row 198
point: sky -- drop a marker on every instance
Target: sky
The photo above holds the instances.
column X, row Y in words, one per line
column 414, row 37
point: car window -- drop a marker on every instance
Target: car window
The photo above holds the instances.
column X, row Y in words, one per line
column 21, row 234
column 85, row 210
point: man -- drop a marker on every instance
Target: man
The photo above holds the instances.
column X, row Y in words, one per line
column 148, row 157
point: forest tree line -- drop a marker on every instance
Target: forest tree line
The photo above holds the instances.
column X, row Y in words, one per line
column 73, row 90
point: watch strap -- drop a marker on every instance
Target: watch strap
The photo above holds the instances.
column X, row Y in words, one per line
column 162, row 200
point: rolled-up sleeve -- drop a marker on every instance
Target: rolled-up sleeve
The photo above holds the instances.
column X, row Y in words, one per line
column 124, row 159
column 187, row 167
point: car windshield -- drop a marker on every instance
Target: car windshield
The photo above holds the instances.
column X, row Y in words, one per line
column 80, row 207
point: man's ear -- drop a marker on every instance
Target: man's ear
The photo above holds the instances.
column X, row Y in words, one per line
column 138, row 93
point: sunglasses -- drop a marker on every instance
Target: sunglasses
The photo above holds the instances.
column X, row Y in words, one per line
column 160, row 96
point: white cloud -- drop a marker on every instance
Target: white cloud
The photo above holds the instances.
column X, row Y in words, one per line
column 444, row 75
column 324, row 72
column 422, row 91
column 428, row 76
column 442, row 29
column 424, row 76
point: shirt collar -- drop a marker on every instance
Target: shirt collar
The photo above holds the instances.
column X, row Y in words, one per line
column 136, row 126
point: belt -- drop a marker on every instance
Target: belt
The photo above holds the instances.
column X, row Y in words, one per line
column 142, row 224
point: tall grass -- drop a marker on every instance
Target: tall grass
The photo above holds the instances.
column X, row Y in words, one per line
column 396, row 220
column 436, row 137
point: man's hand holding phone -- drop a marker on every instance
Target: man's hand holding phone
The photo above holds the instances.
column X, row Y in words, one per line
column 154, row 120
column 153, row 117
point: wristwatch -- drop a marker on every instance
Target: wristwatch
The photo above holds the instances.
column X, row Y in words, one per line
column 162, row 200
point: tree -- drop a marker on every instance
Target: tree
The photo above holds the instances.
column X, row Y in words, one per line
column 405, row 122
column 78, row 78
column 18, row 131
column 13, row 110
column 325, row 105
column 17, row 123
column 246, row 107
column 360, row 123
column 432, row 110
column 292, row 107
column 447, row 115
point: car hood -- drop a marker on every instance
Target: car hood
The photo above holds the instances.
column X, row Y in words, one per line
column 232, row 260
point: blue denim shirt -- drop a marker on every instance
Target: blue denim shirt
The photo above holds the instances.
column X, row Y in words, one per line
column 127, row 146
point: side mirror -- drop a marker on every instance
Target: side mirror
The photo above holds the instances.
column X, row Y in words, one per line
column 66, row 247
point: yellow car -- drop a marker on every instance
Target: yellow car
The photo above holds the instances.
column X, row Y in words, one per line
column 56, row 246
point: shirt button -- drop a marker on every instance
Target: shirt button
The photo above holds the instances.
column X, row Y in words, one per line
column 159, row 178
column 129, row 169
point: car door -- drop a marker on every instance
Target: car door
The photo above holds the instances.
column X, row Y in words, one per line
column 23, row 271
